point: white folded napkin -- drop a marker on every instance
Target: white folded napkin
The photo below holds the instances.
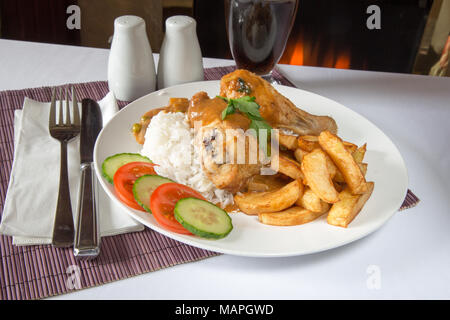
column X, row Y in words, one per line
column 30, row 202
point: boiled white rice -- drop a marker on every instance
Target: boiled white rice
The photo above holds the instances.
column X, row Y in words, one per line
column 169, row 142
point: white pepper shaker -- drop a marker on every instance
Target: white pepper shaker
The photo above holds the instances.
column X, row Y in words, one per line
column 131, row 69
column 180, row 59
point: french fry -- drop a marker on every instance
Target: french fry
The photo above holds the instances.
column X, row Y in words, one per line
column 289, row 217
column 340, row 178
column 338, row 186
column 314, row 167
column 344, row 211
column 299, row 154
column 289, row 167
column 359, row 153
column 274, row 201
column 260, row 183
column 344, row 161
column 308, row 143
column 287, row 153
column 332, row 169
column 310, row 201
column 363, row 167
column 351, row 147
column 301, row 188
column 288, row 141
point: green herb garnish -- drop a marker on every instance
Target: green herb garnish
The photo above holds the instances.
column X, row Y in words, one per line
column 247, row 105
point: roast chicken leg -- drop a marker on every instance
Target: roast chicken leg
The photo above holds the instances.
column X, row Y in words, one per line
column 276, row 109
column 225, row 161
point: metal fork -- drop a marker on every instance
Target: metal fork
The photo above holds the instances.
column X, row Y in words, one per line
column 64, row 131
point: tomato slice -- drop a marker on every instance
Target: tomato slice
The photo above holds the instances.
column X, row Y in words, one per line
column 125, row 177
column 162, row 204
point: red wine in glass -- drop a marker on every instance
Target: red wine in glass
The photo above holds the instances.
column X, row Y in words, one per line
column 258, row 31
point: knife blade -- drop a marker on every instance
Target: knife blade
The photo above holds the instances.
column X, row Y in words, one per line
column 87, row 236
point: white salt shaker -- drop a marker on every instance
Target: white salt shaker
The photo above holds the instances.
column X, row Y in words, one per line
column 131, row 69
column 180, row 59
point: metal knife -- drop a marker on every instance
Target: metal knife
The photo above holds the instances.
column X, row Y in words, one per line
column 87, row 236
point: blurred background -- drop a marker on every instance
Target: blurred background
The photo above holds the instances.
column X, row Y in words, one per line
column 413, row 38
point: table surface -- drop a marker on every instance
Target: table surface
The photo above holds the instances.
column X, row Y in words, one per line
column 408, row 258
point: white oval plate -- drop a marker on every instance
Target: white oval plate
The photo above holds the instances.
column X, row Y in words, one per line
column 250, row 237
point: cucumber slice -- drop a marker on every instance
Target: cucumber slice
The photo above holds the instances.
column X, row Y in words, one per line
column 203, row 218
column 144, row 186
column 112, row 163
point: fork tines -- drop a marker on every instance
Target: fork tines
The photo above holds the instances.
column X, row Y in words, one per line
column 76, row 113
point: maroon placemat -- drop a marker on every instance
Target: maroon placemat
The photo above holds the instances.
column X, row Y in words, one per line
column 33, row 272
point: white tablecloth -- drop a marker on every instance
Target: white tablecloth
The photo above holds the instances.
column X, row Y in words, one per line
column 408, row 258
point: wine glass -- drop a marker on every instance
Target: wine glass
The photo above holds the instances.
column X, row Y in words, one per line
column 258, row 31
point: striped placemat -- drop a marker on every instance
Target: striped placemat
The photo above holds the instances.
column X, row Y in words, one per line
column 33, row 272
